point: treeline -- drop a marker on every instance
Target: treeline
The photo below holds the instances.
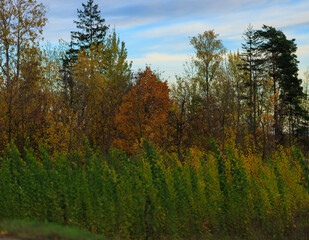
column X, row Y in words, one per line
column 56, row 95
column 155, row 196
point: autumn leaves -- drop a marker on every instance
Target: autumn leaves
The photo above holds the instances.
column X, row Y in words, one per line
column 144, row 112
column 86, row 88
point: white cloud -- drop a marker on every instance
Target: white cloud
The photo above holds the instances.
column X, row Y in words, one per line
column 303, row 50
column 168, row 65
column 123, row 22
column 58, row 29
column 155, row 27
column 155, row 58
column 187, row 29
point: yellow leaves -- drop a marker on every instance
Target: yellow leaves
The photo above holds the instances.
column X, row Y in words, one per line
column 267, row 119
column 194, row 159
column 20, row 25
column 3, row 232
column 252, row 164
column 27, row 18
column 230, row 135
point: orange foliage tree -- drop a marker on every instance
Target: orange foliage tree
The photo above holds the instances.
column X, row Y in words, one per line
column 143, row 113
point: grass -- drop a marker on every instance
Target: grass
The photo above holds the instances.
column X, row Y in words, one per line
column 32, row 230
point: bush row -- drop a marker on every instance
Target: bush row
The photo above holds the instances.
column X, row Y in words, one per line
column 153, row 195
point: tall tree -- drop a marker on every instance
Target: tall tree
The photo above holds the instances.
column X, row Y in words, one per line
column 102, row 76
column 303, row 123
column 179, row 115
column 251, row 65
column 281, row 62
column 209, row 51
column 117, row 82
column 144, row 112
column 91, row 26
column 21, row 25
column 85, row 44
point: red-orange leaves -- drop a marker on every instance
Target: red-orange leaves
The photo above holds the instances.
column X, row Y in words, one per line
column 143, row 112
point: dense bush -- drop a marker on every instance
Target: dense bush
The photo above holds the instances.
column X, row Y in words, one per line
column 154, row 195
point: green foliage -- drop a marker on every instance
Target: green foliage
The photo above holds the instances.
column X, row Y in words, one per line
column 154, row 196
column 37, row 230
column 304, row 167
column 91, row 26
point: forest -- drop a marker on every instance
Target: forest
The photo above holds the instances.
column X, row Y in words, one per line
column 86, row 141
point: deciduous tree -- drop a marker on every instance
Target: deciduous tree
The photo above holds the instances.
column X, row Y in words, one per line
column 21, row 25
column 144, row 112
column 209, row 51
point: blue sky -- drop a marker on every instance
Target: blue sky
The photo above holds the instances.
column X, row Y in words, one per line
column 157, row 32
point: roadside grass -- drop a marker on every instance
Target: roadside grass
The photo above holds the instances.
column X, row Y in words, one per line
column 32, row 230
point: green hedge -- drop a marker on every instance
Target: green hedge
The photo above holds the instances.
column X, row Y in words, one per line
column 153, row 195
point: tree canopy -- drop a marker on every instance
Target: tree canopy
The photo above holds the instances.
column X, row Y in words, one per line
column 56, row 96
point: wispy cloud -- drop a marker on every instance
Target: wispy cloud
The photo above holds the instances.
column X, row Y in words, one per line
column 234, row 22
column 154, row 11
column 152, row 58
column 177, row 29
column 181, row 8
column 172, row 63
column 157, row 32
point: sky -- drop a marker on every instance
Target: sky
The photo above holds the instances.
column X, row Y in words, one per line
column 157, row 32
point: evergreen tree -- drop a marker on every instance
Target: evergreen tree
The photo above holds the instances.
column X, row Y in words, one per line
column 281, row 62
column 251, row 58
column 91, row 26
column 91, row 33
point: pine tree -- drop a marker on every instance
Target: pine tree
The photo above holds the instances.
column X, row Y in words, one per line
column 281, row 62
column 91, row 34
column 251, row 58
column 92, row 28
